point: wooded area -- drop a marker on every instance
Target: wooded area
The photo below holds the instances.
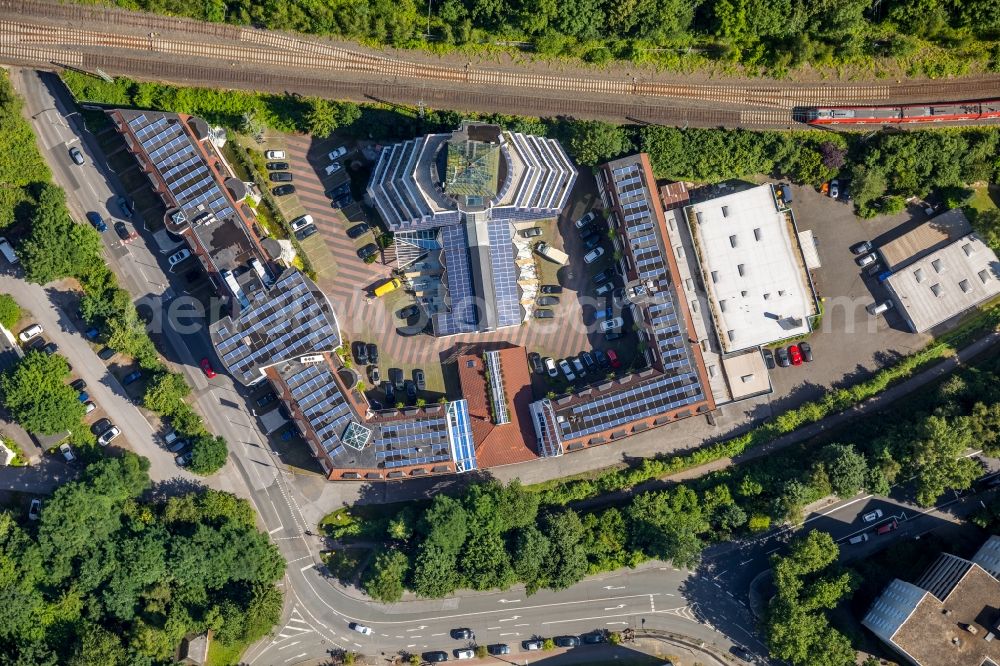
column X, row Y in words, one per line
column 111, row 576
column 936, row 37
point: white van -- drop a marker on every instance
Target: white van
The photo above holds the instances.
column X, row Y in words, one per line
column 8, row 251
column 861, row 538
column 879, row 308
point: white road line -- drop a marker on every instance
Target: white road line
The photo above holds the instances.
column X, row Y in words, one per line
column 523, row 624
column 511, row 633
column 583, row 619
column 289, row 645
column 298, row 656
column 619, row 606
column 493, row 628
column 276, row 529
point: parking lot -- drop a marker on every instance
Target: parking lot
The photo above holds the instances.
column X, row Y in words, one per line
column 849, row 345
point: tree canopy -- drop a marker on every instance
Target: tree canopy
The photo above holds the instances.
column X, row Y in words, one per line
column 37, row 395
column 56, row 246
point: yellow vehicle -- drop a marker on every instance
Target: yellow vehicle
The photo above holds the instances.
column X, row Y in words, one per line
column 387, row 287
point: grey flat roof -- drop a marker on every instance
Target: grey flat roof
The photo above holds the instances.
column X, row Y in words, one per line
column 926, row 238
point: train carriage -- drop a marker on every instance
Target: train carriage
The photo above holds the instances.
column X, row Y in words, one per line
column 902, row 114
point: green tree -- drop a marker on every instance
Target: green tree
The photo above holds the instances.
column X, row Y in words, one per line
column 567, row 557
column 165, row 391
column 531, row 557
column 445, row 525
column 36, row 393
column 384, row 581
column 591, row 142
column 845, row 467
column 208, row 454
column 10, row 311
column 938, row 457
column 668, row 525
column 57, row 247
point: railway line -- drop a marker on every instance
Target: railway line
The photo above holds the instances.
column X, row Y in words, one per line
column 34, row 32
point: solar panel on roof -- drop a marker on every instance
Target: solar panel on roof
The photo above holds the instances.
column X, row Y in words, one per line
column 505, row 286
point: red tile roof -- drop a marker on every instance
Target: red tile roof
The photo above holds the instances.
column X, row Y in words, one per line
column 511, row 442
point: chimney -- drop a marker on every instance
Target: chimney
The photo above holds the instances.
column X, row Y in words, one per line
column 972, row 629
column 955, row 641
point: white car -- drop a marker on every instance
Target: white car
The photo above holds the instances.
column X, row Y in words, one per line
column 585, row 220
column 178, row 256
column 867, row 260
column 465, row 653
column 333, row 168
column 67, row 452
column 360, row 628
column 872, row 516
column 568, row 371
column 532, row 645
column 31, row 332
column 879, row 308
column 338, row 152
column 612, row 324
column 550, row 367
column 300, row 222
column 90, row 406
column 108, row 435
column 834, row 188
column 35, row 510
column 593, row 255
column 274, row 154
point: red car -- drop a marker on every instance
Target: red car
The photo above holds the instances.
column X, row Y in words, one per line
column 795, row 354
column 206, row 366
column 613, row 359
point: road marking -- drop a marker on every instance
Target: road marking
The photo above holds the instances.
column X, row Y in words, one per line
column 615, row 607
column 510, row 619
column 492, row 628
column 298, row 656
column 289, row 645
column 595, row 617
column 744, row 562
column 773, row 550
column 614, row 623
column 508, row 601
column 441, row 634
column 612, row 587
column 276, row 529
column 412, row 645
column 423, row 626
column 410, row 637
column 511, row 633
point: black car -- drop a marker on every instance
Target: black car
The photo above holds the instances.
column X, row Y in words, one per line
column 280, row 177
column 462, row 634
column 498, row 648
column 122, row 230
column 282, row 190
column 862, row 248
column 602, row 359
column 420, row 379
column 100, row 426
column 547, row 300
column 372, row 352
column 390, row 393
column 782, row 355
column 50, row 348
column 343, row 201
column 396, row 377
column 357, row 230
column 593, row 638
column 551, row 289
column 78, row 385
column 369, row 250
column 566, row 641
column 411, row 392
column 106, row 353
column 603, row 276
column 277, row 166
column 125, row 206
column 536, row 362
column 613, row 335
column 408, row 311
column 435, row 656
column 305, row 232
column 544, row 313
column 807, row 351
column 768, row 359
column 588, row 361
column 267, row 399
column 360, row 353
column 590, row 241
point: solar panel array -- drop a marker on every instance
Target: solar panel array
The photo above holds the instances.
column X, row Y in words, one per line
column 462, row 318
column 507, row 293
column 463, row 446
column 180, row 164
column 319, row 399
column 413, row 442
column 292, row 321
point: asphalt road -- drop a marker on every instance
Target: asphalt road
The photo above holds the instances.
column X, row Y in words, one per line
column 317, row 610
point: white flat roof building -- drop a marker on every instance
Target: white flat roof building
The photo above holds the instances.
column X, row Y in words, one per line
column 752, row 267
column 945, row 283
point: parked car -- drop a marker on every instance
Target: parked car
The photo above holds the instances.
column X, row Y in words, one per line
column 122, row 230
column 874, row 270
column 274, row 154
column 588, row 361
column 586, row 220
column 613, row 359
column 132, row 377
column 591, row 241
column 612, row 324
column 795, row 355
column 807, row 351
column 462, row 634
column 374, row 375
column 603, row 276
column 463, row 653
column 604, row 313
column 357, row 230
column 97, row 221
column 206, row 367
column 337, row 152
column 360, row 628
column 35, row 510
column 367, row 251
column 834, row 188
column 408, row 311
column 390, row 392
column 306, row 232
column 888, row 527
column 860, row 538
column 266, row 399
column 531, row 233
column 435, row 656
column 568, row 371
column 862, row 247
column 593, row 255
column 411, row 392
column 283, row 190
column 782, row 355
column 32, row 331
column 277, row 166
column 535, row 360
column 108, row 435
column 420, row 379
column 83, row 397
column 76, row 155
column 78, row 385
column 372, row 353
column 177, row 446
column 184, row 459
column 396, row 377
column 566, row 641
column 332, row 168
column 125, row 205
column 89, row 406
column 550, row 366
column 593, row 638
column 578, row 366
column 497, row 649
column 872, row 516
column 879, row 308
column 543, row 313
column 280, row 177
column 106, row 353
column 51, row 348
column 551, row 289
column 533, row 644
column 360, row 353
column 67, row 452
column 301, row 221
column 604, row 289
column 178, row 256
column 768, row 358
column 601, row 358
column 866, row 260
column 547, row 300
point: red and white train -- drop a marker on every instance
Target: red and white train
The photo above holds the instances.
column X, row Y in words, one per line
column 910, row 113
